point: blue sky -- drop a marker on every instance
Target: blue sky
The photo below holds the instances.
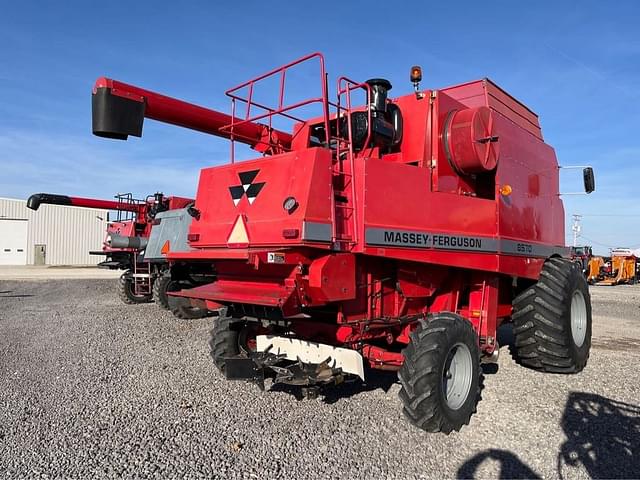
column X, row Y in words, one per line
column 577, row 64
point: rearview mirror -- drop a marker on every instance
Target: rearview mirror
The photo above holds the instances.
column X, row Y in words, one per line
column 589, row 180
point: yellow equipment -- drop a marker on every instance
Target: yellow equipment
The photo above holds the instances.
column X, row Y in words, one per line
column 594, row 267
column 623, row 268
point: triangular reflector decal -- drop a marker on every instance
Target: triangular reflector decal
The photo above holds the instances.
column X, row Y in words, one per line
column 238, row 233
column 165, row 248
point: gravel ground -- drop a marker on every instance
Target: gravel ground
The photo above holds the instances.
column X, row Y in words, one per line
column 51, row 272
column 93, row 388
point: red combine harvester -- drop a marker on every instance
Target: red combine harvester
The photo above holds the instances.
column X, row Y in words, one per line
column 397, row 235
column 582, row 256
column 126, row 240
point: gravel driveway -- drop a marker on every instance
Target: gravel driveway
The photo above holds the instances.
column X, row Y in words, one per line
column 92, row 388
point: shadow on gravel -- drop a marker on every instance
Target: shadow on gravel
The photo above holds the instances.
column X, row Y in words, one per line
column 506, row 338
column 505, row 335
column 376, row 379
column 5, row 294
column 510, row 465
column 490, row 368
column 603, row 435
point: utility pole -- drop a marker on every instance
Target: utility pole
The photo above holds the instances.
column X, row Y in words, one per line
column 576, row 228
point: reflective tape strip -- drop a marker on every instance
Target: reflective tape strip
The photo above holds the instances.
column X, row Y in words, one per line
column 440, row 241
column 316, row 231
column 446, row 241
column 515, row 247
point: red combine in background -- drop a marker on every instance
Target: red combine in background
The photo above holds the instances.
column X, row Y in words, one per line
column 398, row 234
column 582, row 256
column 126, row 240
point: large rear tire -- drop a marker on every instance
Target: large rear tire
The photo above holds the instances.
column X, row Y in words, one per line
column 441, row 376
column 552, row 320
column 126, row 290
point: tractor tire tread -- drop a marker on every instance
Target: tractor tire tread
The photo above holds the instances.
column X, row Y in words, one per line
column 186, row 313
column 160, row 291
column 126, row 295
column 420, row 377
column 224, row 340
column 542, row 327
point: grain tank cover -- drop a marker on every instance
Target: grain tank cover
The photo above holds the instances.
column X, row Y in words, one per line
column 486, row 93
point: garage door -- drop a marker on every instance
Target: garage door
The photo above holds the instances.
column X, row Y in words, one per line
column 13, row 242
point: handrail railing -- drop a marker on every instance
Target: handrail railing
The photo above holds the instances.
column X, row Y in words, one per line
column 126, row 199
column 271, row 144
column 341, row 141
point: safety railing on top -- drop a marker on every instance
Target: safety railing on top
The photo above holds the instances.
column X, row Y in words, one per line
column 126, row 199
column 265, row 112
column 343, row 145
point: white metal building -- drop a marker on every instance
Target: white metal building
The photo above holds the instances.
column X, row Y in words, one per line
column 52, row 235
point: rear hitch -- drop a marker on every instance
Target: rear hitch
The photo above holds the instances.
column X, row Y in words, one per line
column 310, row 393
column 254, row 367
column 250, row 366
column 308, row 374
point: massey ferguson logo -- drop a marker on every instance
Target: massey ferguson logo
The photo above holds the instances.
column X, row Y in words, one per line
column 246, row 187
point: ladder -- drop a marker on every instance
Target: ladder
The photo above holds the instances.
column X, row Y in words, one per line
column 343, row 201
column 142, row 283
column 343, row 208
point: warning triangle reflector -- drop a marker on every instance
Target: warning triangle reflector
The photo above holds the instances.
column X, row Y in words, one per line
column 238, row 233
column 165, row 248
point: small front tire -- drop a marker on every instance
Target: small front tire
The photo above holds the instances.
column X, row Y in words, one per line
column 225, row 340
column 126, row 290
column 160, row 296
column 180, row 307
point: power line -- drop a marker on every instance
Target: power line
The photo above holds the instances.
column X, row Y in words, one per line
column 577, row 228
column 610, row 215
column 597, row 243
column 606, row 245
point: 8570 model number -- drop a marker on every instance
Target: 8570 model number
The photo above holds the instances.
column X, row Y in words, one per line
column 524, row 248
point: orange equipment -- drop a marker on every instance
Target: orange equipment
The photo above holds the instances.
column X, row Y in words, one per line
column 595, row 265
column 623, row 268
